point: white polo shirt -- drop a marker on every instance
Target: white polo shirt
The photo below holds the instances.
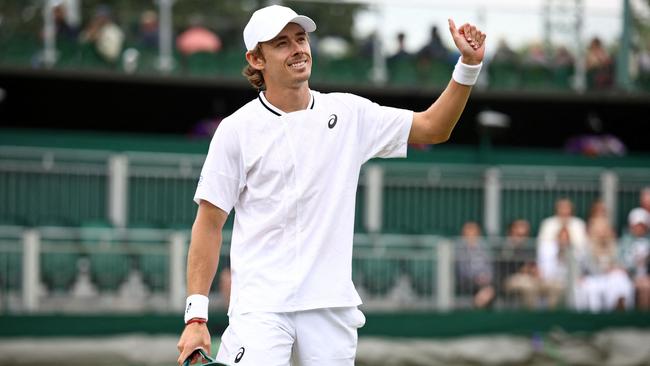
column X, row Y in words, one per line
column 292, row 179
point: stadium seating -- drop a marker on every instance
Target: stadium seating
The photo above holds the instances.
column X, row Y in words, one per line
column 422, row 272
column 10, row 269
column 59, row 269
column 402, row 72
column 110, row 258
column 503, row 76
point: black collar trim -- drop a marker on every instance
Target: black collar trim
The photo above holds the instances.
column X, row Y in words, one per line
column 259, row 96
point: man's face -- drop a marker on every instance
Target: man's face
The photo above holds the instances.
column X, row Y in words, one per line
column 287, row 58
column 638, row 230
column 564, row 208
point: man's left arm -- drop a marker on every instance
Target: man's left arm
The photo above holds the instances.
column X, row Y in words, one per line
column 434, row 125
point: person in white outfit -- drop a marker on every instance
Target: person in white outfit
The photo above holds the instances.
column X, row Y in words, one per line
column 604, row 285
column 635, row 254
column 550, row 227
column 553, row 261
column 288, row 163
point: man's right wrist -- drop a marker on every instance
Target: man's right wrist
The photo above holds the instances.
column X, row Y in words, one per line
column 196, row 307
column 196, row 321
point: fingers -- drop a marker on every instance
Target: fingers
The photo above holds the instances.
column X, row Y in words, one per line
column 472, row 35
column 452, row 27
column 191, row 352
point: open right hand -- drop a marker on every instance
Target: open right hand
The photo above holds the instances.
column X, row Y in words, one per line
column 195, row 335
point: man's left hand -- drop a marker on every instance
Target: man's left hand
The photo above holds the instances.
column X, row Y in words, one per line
column 470, row 41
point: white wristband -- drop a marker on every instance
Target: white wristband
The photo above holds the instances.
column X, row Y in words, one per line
column 466, row 74
column 196, row 306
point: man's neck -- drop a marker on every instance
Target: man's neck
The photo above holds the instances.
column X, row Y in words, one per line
column 289, row 100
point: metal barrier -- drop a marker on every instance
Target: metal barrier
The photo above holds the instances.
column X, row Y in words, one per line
column 67, row 187
column 81, row 270
column 52, row 186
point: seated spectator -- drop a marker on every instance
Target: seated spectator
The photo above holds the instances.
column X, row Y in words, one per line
column 434, row 49
column 536, row 56
column 563, row 218
column 105, row 34
column 148, row 30
column 634, row 254
column 644, row 199
column 553, row 256
column 600, row 72
column 596, row 142
column 197, row 38
column 517, row 267
column 643, row 63
column 504, row 54
column 604, row 285
column 474, row 266
column 563, row 58
column 65, row 30
column 401, row 53
column 367, row 46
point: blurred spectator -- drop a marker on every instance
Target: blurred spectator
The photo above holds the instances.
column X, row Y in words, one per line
column 553, row 261
column 105, row 34
column 644, row 200
column 367, row 47
column 197, row 38
column 634, row 253
column 604, row 284
column 205, row 128
column 596, row 143
column 401, row 53
column 65, row 30
column 563, row 218
column 504, row 54
column 599, row 66
column 563, row 57
column 148, row 29
column 598, row 210
column 434, row 49
column 536, row 56
column 474, row 266
column 517, row 267
column 644, row 59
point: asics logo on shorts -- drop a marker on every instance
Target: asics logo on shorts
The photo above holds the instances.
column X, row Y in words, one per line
column 240, row 354
column 332, row 121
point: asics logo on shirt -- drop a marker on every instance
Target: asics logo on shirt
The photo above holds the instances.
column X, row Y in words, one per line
column 240, row 354
column 332, row 121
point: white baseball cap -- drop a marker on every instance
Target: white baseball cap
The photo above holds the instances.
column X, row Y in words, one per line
column 267, row 22
column 639, row 216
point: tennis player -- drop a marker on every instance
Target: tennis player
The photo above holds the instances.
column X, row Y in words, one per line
column 288, row 162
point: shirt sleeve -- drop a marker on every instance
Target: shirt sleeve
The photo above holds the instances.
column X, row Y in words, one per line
column 384, row 131
column 222, row 177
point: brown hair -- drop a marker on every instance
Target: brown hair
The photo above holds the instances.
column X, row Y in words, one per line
column 254, row 75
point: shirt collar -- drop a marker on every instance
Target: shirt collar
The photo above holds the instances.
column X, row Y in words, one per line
column 277, row 111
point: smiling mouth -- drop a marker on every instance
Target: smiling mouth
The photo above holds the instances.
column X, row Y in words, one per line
column 298, row 64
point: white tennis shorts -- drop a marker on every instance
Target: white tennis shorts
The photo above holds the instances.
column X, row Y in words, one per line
column 304, row 338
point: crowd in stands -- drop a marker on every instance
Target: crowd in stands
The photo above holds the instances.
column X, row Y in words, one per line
column 114, row 41
column 555, row 63
column 575, row 263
